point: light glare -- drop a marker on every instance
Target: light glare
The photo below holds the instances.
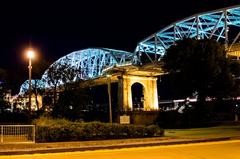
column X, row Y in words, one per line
column 30, row 54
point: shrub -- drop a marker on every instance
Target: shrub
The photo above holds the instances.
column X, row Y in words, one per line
column 53, row 130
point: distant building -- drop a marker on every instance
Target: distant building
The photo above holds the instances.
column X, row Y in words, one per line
column 21, row 102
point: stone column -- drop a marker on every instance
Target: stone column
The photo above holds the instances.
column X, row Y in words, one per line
column 120, row 93
column 125, row 83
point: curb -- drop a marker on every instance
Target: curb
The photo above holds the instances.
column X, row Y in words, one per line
column 93, row 148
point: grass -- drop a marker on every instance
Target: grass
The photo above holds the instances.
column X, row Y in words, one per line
column 210, row 132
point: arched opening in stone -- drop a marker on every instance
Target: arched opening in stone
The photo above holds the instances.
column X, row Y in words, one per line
column 137, row 96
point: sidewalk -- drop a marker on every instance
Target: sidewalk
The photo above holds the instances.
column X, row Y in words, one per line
column 14, row 149
column 172, row 136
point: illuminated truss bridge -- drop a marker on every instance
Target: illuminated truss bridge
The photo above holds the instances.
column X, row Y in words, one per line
column 217, row 24
column 91, row 62
column 222, row 25
column 36, row 84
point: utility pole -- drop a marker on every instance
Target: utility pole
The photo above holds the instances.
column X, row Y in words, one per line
column 30, row 55
column 109, row 98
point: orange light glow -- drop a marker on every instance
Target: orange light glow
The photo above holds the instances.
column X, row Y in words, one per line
column 30, row 54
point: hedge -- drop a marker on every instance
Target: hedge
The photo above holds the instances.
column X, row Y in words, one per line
column 54, row 130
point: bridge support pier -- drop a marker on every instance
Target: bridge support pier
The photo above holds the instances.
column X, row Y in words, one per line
column 150, row 94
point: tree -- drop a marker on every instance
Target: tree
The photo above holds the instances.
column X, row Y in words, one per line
column 64, row 79
column 199, row 66
column 235, row 69
column 72, row 104
column 37, row 85
column 37, row 89
column 61, row 76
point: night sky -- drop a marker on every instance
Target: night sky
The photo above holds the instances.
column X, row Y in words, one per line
column 56, row 28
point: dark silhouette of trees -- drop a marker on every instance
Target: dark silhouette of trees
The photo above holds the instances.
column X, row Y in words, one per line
column 62, row 77
column 72, row 104
column 199, row 66
column 40, row 67
column 235, row 69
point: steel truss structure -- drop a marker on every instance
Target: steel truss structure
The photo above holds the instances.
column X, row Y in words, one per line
column 214, row 24
column 91, row 62
column 36, row 84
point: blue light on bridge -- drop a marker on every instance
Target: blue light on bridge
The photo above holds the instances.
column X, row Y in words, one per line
column 214, row 24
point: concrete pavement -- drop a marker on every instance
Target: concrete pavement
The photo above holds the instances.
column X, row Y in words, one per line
column 17, row 149
column 172, row 137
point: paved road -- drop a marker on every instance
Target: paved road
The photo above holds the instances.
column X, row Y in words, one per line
column 211, row 150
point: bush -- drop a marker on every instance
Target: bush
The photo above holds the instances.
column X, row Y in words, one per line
column 53, row 130
column 198, row 115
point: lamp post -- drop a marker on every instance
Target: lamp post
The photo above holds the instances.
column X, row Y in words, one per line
column 109, row 98
column 30, row 55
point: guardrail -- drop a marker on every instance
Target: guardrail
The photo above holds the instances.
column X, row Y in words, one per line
column 17, row 134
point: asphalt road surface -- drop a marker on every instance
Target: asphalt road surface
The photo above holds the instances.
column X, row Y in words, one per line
column 210, row 150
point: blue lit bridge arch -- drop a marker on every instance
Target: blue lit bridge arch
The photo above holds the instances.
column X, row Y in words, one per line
column 217, row 24
column 36, row 84
column 92, row 61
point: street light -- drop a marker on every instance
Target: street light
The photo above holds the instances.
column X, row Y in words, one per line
column 30, row 55
column 109, row 98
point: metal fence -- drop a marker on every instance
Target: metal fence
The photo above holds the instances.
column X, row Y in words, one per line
column 17, row 134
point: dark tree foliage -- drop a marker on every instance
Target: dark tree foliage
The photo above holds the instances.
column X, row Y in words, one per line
column 6, row 116
column 235, row 69
column 199, row 66
column 38, row 71
column 72, row 104
column 3, row 103
column 67, row 100
column 61, row 76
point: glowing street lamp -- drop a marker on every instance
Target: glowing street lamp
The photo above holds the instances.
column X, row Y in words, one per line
column 30, row 55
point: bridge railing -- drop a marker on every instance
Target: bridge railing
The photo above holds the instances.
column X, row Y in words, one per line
column 17, row 134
